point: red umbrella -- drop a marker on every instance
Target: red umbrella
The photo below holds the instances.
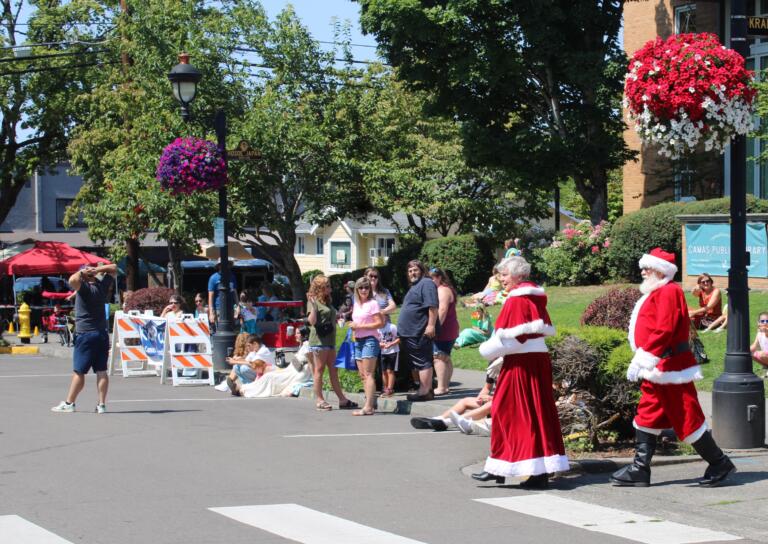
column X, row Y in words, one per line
column 49, row 258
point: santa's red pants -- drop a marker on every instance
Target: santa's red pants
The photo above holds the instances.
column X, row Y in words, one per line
column 676, row 406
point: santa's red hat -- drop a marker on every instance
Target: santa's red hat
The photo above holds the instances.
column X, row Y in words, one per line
column 660, row 260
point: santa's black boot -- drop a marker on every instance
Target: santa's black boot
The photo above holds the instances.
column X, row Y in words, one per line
column 638, row 474
column 720, row 466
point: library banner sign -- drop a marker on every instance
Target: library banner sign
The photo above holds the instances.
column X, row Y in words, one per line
column 708, row 249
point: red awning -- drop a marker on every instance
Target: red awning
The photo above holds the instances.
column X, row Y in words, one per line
column 49, row 258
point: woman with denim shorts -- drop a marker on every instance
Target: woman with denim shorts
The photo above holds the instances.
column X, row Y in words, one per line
column 322, row 342
column 447, row 332
column 366, row 322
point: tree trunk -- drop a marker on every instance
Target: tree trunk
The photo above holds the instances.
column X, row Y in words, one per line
column 595, row 193
column 174, row 261
column 293, row 272
column 132, row 264
column 418, row 230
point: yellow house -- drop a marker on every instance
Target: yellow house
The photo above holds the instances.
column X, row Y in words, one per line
column 348, row 244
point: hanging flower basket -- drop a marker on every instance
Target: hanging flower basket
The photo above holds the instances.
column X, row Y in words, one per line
column 686, row 90
column 191, row 164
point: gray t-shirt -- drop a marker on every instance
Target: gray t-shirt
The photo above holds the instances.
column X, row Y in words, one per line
column 414, row 314
column 90, row 315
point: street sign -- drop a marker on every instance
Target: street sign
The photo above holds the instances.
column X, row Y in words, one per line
column 243, row 152
column 218, row 232
column 757, row 26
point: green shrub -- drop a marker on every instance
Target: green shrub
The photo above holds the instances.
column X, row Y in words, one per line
column 339, row 280
column 577, row 256
column 350, row 381
column 589, row 366
column 467, row 258
column 307, row 276
column 638, row 232
column 396, row 275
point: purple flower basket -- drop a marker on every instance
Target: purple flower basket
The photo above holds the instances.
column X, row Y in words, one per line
column 191, row 164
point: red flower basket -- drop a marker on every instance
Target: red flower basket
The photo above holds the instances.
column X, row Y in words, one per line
column 686, row 90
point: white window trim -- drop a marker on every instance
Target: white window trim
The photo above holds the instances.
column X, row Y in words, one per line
column 387, row 237
column 301, row 243
column 680, row 10
column 352, row 257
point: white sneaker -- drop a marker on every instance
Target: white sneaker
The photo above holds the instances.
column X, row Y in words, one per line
column 64, row 408
column 464, row 424
column 101, row 409
column 222, row 387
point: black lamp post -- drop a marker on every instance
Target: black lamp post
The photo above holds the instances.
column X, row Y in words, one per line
column 738, row 396
column 184, row 78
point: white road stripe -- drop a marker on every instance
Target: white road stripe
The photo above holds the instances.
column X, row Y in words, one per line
column 17, row 530
column 295, row 522
column 607, row 520
column 360, row 434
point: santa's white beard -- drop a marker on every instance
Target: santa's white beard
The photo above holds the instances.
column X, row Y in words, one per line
column 651, row 283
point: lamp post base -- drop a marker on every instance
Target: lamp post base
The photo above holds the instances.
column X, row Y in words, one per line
column 738, row 411
column 221, row 343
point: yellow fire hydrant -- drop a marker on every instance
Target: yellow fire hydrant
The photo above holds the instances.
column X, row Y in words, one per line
column 25, row 318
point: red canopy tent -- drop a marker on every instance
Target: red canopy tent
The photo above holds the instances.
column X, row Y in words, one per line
column 48, row 258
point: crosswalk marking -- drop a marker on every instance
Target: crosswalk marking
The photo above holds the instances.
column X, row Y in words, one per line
column 295, row 522
column 17, row 530
column 607, row 520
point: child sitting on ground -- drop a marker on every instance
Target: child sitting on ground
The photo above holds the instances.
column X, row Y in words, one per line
column 390, row 353
column 246, row 371
column 759, row 347
column 479, row 332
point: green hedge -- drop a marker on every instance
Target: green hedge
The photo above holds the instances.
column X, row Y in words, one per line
column 467, row 258
column 635, row 233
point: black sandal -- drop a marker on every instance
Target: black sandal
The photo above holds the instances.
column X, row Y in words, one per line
column 349, row 405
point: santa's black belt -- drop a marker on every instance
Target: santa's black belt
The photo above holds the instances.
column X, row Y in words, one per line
column 682, row 347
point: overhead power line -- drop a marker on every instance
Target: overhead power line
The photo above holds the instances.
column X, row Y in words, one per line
column 51, row 68
column 353, row 61
column 352, row 44
column 51, row 55
column 45, row 44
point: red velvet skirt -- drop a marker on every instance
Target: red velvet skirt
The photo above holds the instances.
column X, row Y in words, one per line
column 525, row 434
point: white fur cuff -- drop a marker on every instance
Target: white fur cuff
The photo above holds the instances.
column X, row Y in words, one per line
column 645, row 360
column 494, row 348
column 532, row 327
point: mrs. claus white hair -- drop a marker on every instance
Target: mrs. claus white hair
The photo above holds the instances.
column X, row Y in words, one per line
column 516, row 266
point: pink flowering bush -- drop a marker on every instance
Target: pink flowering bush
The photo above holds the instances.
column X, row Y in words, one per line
column 191, row 164
column 688, row 89
column 576, row 256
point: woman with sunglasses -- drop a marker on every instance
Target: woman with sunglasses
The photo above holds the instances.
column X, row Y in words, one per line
column 366, row 322
column 710, row 302
column 380, row 293
column 175, row 307
column 200, row 309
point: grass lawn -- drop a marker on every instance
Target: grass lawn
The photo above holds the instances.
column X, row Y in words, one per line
column 566, row 304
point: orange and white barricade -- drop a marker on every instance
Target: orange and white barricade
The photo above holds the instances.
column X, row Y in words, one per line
column 137, row 346
column 188, row 347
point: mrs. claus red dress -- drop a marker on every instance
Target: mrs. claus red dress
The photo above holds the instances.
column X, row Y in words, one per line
column 526, row 439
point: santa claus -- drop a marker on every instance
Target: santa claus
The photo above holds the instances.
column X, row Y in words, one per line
column 525, row 437
column 658, row 335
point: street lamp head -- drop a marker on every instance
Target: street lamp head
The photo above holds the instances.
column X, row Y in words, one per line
column 184, row 79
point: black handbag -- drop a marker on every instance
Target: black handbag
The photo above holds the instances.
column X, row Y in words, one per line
column 323, row 329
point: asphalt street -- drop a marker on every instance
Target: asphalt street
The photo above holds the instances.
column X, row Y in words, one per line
column 192, row 465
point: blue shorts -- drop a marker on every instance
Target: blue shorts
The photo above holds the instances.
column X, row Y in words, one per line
column 91, row 352
column 442, row 347
column 315, row 349
column 367, row 348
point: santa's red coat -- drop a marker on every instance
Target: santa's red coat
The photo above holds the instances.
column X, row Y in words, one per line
column 525, row 436
column 658, row 334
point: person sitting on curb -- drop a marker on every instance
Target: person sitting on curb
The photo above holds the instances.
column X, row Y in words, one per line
column 238, row 357
column 259, row 360
column 759, row 347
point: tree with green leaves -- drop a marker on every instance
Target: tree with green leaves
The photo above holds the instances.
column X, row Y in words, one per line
column 38, row 84
column 536, row 85
column 131, row 116
column 417, row 166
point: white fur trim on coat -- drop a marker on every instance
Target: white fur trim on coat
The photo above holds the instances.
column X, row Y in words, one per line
column 532, row 327
column 690, row 374
column 655, row 432
column 695, row 435
column 645, row 359
column 633, row 321
column 527, row 467
column 665, row 267
column 527, row 290
column 496, row 347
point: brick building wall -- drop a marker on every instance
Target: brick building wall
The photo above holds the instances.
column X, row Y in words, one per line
column 651, row 179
